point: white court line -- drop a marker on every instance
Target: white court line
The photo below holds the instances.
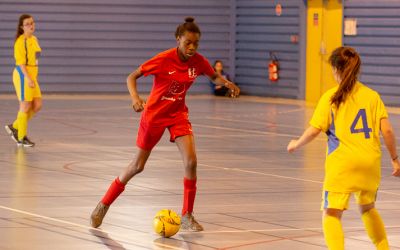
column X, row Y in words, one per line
column 180, row 233
column 78, row 225
column 261, row 173
column 258, row 122
column 266, row 123
column 204, row 232
column 386, row 192
column 294, row 136
column 282, row 176
column 198, row 206
column 288, row 111
column 272, row 175
column 245, row 130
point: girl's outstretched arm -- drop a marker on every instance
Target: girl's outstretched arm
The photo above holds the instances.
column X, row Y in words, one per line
column 309, row 134
column 390, row 142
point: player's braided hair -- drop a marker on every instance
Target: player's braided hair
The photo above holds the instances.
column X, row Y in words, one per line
column 20, row 31
column 189, row 25
column 346, row 62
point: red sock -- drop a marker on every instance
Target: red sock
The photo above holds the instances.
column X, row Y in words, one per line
column 115, row 189
column 189, row 193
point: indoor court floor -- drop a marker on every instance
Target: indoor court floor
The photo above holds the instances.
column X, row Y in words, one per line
column 252, row 194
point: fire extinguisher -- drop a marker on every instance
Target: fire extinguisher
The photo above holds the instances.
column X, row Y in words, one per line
column 273, row 68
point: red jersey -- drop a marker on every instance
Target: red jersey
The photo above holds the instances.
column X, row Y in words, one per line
column 172, row 79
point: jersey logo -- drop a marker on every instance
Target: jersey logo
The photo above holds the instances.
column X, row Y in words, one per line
column 171, row 72
column 192, row 72
column 175, row 92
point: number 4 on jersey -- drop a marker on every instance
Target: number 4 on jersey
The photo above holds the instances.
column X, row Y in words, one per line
column 363, row 116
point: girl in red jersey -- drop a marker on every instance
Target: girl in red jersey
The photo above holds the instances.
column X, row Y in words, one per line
column 174, row 72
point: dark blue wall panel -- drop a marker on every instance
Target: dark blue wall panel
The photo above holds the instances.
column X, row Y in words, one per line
column 378, row 42
column 92, row 45
column 258, row 31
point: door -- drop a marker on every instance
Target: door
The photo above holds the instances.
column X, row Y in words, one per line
column 324, row 34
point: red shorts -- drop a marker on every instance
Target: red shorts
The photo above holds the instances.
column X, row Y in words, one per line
column 149, row 135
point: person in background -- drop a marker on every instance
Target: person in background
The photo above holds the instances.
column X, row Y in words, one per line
column 220, row 90
column 25, row 78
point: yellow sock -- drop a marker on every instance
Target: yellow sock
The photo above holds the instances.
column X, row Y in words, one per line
column 15, row 123
column 22, row 125
column 30, row 115
column 333, row 232
column 375, row 228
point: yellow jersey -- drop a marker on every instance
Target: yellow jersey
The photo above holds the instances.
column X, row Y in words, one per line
column 26, row 52
column 353, row 155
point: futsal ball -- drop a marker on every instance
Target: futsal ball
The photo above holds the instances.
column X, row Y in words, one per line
column 166, row 223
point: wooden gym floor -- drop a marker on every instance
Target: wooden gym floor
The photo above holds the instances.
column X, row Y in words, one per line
column 251, row 193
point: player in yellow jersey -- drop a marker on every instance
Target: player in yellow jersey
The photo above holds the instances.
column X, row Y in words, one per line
column 352, row 115
column 26, row 53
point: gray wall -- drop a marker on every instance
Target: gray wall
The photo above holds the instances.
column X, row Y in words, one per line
column 92, row 45
column 259, row 31
column 378, row 42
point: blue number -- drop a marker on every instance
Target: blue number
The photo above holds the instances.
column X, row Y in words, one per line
column 363, row 115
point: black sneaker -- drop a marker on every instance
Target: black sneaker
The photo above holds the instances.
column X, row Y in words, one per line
column 12, row 132
column 25, row 142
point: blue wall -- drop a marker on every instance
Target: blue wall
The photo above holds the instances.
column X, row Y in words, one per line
column 259, row 31
column 92, row 45
column 378, row 42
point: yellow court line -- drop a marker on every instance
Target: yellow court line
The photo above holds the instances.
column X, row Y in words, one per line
column 278, row 230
